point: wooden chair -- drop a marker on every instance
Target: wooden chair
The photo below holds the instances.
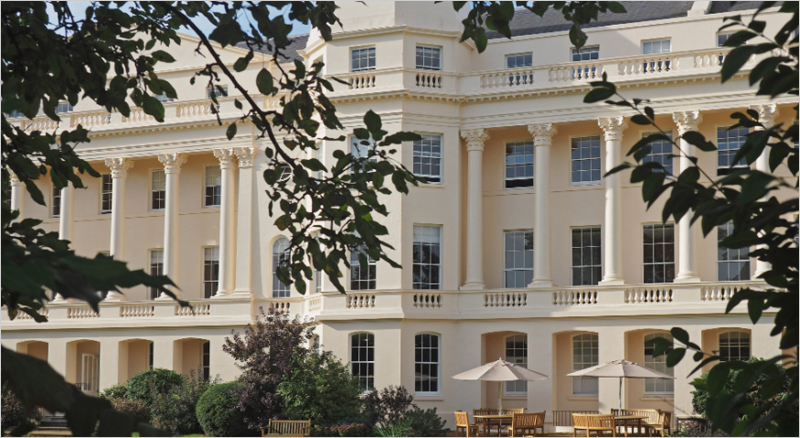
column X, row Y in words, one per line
column 663, row 425
column 488, row 424
column 505, row 422
column 600, row 424
column 287, row 428
column 653, row 418
column 462, row 424
column 526, row 424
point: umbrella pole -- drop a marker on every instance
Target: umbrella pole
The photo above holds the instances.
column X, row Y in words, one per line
column 620, row 393
column 500, row 398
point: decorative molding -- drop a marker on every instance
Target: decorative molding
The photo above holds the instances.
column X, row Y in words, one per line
column 612, row 127
column 542, row 133
column 687, row 120
column 172, row 162
column 245, row 156
column 766, row 114
column 119, row 166
column 225, row 157
column 475, row 139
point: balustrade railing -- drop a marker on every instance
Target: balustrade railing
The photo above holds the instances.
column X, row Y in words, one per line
column 576, row 72
column 137, row 115
column 649, row 295
column 505, row 299
column 196, row 109
column 80, row 312
column 649, row 64
column 88, row 120
column 508, row 78
column 41, row 123
column 720, row 292
column 574, row 297
column 137, row 310
column 429, row 80
column 197, row 309
column 359, row 300
column 359, row 81
column 427, row 300
column 315, row 304
column 280, row 306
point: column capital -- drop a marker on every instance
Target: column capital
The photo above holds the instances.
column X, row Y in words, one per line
column 475, row 138
column 542, row 133
column 245, row 156
column 119, row 166
column 13, row 178
column 225, row 157
column 766, row 113
column 172, row 162
column 612, row 127
column 687, row 120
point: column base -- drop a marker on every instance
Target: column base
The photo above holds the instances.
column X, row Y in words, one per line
column 241, row 294
column 473, row 286
column 114, row 297
column 540, row 284
column 614, row 281
column 221, row 294
column 688, row 278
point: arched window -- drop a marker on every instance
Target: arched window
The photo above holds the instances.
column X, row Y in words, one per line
column 280, row 254
column 658, row 363
column 426, row 363
column 584, row 355
column 362, row 359
column 734, row 346
column 517, row 353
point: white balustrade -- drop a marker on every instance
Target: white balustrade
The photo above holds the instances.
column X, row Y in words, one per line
column 576, row 72
column 509, row 78
column 42, row 123
column 359, row 81
column 358, row 301
column 80, row 312
column 272, row 103
column 720, row 292
column 43, row 312
column 88, row 120
column 427, row 300
column 138, row 115
column 137, row 311
column 505, row 299
column 197, row 309
column 574, row 297
column 429, row 80
column 649, row 65
column 280, row 306
column 649, row 295
column 196, row 109
column 315, row 304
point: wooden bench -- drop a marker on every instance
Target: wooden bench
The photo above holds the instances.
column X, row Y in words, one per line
column 287, row 428
column 599, row 424
column 526, row 424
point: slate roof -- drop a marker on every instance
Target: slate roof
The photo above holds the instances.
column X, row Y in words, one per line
column 528, row 23
column 298, row 42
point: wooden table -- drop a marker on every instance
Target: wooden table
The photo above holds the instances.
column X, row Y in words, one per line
column 485, row 419
column 626, row 421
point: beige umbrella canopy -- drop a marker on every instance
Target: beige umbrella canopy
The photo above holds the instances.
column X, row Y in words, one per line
column 500, row 371
column 620, row 368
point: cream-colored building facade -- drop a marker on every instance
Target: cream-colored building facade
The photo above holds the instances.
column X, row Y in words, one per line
column 520, row 250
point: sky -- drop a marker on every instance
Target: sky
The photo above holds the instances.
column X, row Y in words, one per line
column 78, row 8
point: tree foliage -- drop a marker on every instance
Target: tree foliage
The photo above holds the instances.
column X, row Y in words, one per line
column 217, row 413
column 747, row 197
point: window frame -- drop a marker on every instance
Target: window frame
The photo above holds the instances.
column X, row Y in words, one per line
column 421, row 363
column 157, row 269
column 368, row 67
column 654, row 263
column 572, row 266
column 588, row 364
column 662, row 359
column 746, row 260
column 353, row 362
column 275, row 290
column 354, row 144
column 506, row 270
column 573, row 52
column 414, row 264
column 516, row 392
column 372, row 268
column 104, row 192
column 414, row 157
column 217, row 92
column 519, row 143
column 68, row 108
column 153, row 191
column 218, row 190
column 205, row 266
column 440, row 49
column 725, row 34
column 650, row 157
column 55, row 202
column 739, row 333
column 728, row 169
column 512, row 55
column 598, row 182
column 653, row 40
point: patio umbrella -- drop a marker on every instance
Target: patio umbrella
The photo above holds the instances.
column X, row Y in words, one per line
column 500, row 371
column 620, row 368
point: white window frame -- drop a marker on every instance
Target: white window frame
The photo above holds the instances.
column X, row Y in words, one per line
column 661, row 156
column 208, row 262
column 206, row 186
column 740, row 335
column 356, row 361
column 515, row 55
column 438, row 285
column 593, row 338
column 425, row 47
column 155, row 266
column 727, row 169
column 660, row 42
column 421, row 155
column 104, row 192
column 55, row 202
column 353, row 50
column 519, row 387
column 524, row 251
column 279, row 289
column 153, row 190
column 163, row 98
column 664, row 250
column 722, row 34
column 506, row 179
column 728, row 228
column 64, row 107
column 657, row 363
column 585, row 49
column 357, row 149
column 599, row 159
column 355, row 267
column 216, row 91
column 582, row 248
column 421, row 363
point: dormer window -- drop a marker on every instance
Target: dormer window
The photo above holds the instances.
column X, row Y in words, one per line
column 429, row 58
column 519, row 60
column 64, row 107
column 362, row 59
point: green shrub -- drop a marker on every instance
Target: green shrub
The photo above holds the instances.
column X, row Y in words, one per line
column 137, row 408
column 148, row 384
column 320, row 388
column 344, row 430
column 387, row 406
column 399, row 428
column 14, row 412
column 176, row 410
column 116, row 391
column 217, row 414
column 425, row 422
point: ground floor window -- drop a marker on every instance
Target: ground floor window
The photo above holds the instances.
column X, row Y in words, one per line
column 426, row 363
column 658, row 363
column 584, row 355
column 734, row 346
column 362, row 359
column 517, row 353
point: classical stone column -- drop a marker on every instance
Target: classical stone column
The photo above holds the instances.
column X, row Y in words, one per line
column 475, row 140
column 172, row 169
column 542, row 139
column 227, row 253
column 244, row 228
column 766, row 115
column 65, row 218
column 612, row 230
column 687, row 265
column 119, row 173
column 17, row 194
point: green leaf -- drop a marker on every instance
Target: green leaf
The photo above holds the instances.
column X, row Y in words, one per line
column 35, row 382
column 162, row 56
column 698, row 140
column 641, row 120
column 597, row 94
column 754, row 308
column 680, row 335
column 735, row 60
column 264, row 82
column 373, row 121
column 231, row 132
column 675, row 356
column 153, row 107
column 717, row 378
column 241, row 63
